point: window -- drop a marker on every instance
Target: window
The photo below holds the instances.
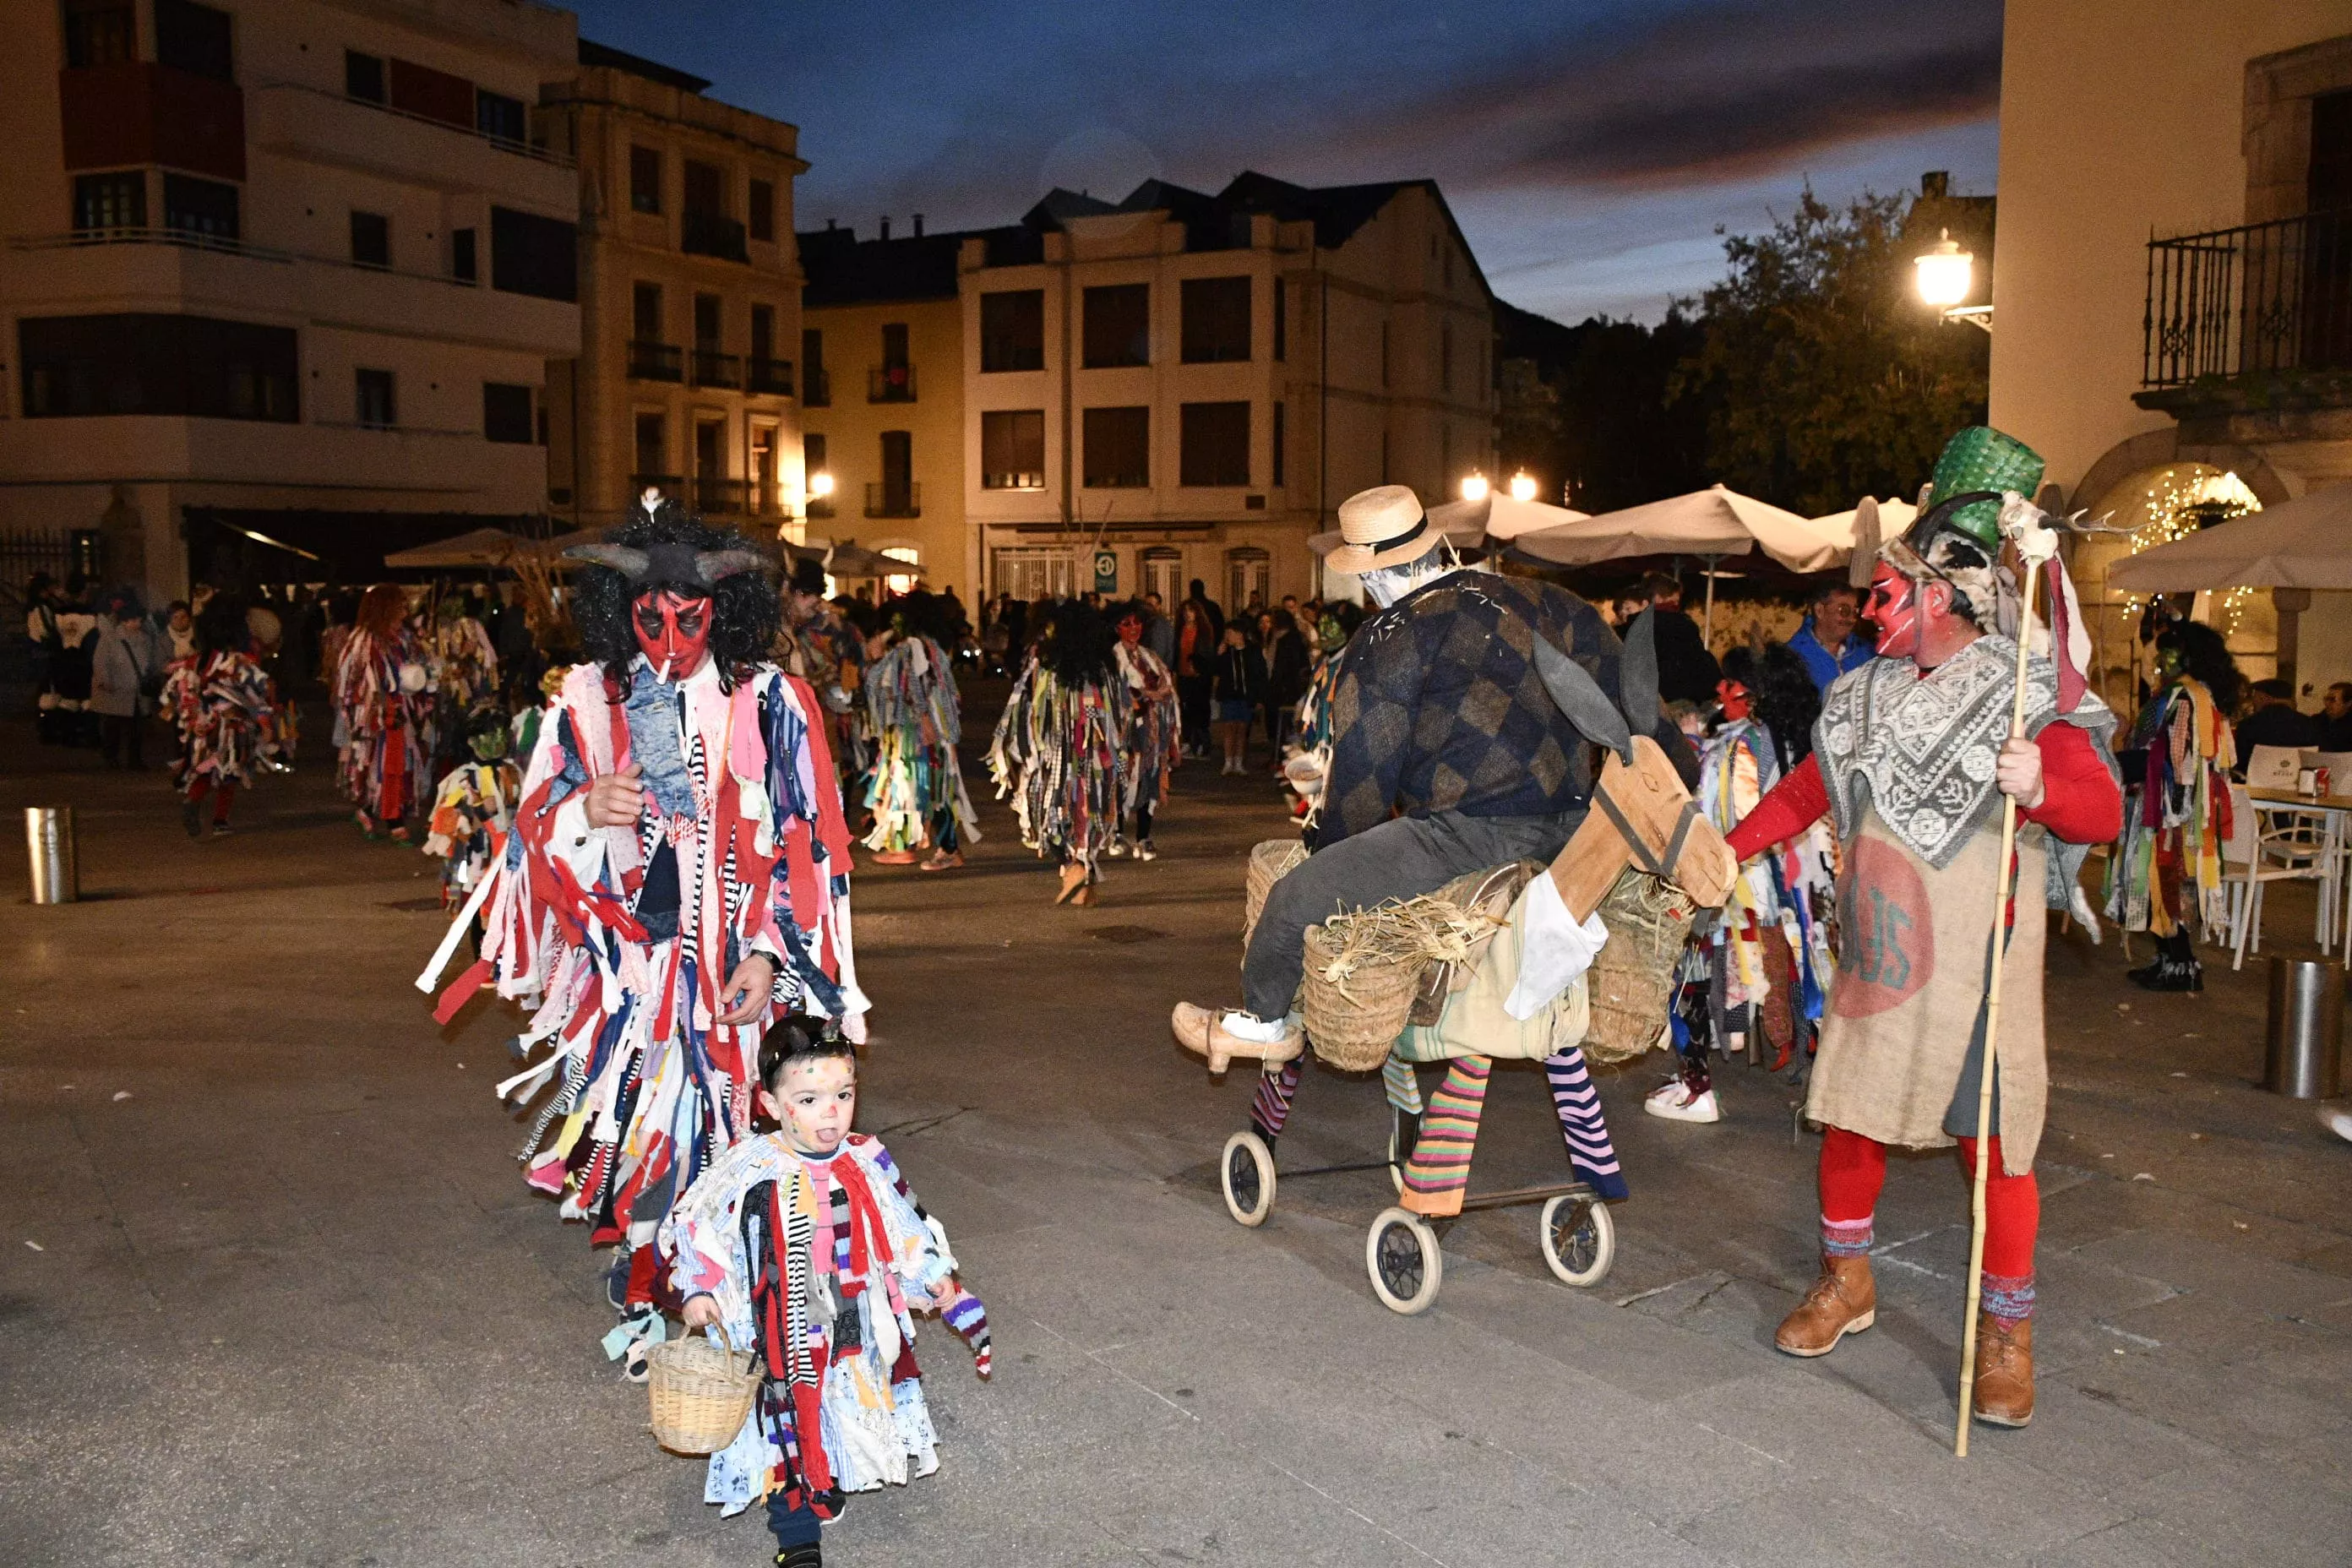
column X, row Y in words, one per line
column 1216, row 320
column 373, row 399
column 464, row 265
column 896, row 496
column 1279, row 464
column 533, row 255
column 902, row 582
column 506, row 413
column 1215, row 443
column 816, row 388
column 194, row 39
column 1013, row 450
column 501, row 117
column 894, row 345
column 706, row 323
column 1249, row 578
column 1446, row 357
column 702, row 188
column 1118, row 326
column 646, row 313
column 761, row 211
column 1281, row 323
column 152, row 363
column 99, row 33
column 1013, row 330
column 205, row 208
column 644, row 179
column 371, row 239
column 363, row 76
column 1117, row 448
column 764, row 333
column 817, row 478
column 110, row 201
column 653, row 447
column 709, row 452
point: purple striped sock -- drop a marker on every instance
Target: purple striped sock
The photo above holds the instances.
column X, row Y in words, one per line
column 1846, row 1237
column 2008, row 1297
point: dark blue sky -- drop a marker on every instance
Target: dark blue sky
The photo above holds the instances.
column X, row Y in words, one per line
column 1589, row 147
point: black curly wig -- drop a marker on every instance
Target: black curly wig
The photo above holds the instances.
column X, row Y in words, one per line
column 221, row 628
column 745, row 612
column 1077, row 644
column 1782, row 695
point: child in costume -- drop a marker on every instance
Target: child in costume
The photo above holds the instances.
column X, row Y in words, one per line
column 1151, row 744
column 917, row 793
column 225, row 708
column 805, row 1246
column 1058, row 751
column 384, row 704
column 474, row 809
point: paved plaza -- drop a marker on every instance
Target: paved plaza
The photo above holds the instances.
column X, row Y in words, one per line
column 273, row 1292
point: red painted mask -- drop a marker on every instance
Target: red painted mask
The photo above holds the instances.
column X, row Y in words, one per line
column 1894, row 607
column 1733, row 697
column 674, row 631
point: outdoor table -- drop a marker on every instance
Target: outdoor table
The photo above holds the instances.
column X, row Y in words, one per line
column 2336, row 812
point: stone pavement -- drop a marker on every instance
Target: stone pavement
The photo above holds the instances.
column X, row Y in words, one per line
column 273, row 1292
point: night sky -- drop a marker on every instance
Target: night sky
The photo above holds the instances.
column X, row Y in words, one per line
column 1590, row 148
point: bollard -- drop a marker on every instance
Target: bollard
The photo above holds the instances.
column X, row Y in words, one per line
column 2304, row 1039
column 49, row 845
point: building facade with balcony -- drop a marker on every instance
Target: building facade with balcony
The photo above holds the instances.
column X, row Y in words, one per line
column 690, row 302
column 2173, row 295
column 278, row 267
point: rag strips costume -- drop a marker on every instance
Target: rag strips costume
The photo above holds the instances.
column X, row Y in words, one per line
column 2166, row 874
column 1057, row 751
column 472, row 812
column 917, row 790
column 1153, row 742
column 384, row 708
column 225, row 708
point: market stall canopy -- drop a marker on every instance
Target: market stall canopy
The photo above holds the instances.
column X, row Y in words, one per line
column 476, row 548
column 1499, row 517
column 2301, row 543
column 1715, row 522
column 850, row 559
column 1894, row 518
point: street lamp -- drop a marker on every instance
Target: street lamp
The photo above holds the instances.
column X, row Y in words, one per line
column 1475, row 485
column 820, row 484
column 1946, row 274
column 1523, row 486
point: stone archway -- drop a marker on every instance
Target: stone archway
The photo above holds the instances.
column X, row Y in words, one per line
column 2128, row 499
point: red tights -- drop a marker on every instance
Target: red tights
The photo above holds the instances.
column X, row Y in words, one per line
column 1853, row 1169
column 222, row 794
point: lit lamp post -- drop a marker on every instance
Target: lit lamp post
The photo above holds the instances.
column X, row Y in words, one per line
column 1523, row 486
column 1475, row 485
column 1946, row 274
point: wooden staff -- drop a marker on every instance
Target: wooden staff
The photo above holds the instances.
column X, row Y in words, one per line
column 1992, row 1029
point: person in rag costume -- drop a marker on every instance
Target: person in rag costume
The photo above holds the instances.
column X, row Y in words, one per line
column 464, row 668
column 2165, row 876
column 383, row 702
column 1911, row 757
column 818, row 644
column 1057, row 747
column 226, row 707
column 1448, row 753
column 1152, row 746
column 677, row 876
column 916, row 792
column 474, row 809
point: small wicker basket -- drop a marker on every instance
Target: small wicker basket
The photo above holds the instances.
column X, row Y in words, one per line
column 699, row 1392
column 1354, row 1022
column 1269, row 862
column 1632, row 982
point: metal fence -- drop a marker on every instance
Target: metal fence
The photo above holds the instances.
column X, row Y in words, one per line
column 2260, row 299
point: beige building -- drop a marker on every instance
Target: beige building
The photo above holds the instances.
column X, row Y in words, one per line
column 278, row 267
column 2173, row 297
column 689, row 302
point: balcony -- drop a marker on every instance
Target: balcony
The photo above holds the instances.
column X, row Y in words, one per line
column 887, row 499
column 773, row 376
column 818, row 392
column 2253, row 320
column 721, row 497
column 712, row 234
column 318, row 126
column 656, row 361
column 712, row 368
column 137, row 111
column 890, row 383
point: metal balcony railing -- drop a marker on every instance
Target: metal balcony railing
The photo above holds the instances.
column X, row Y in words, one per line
column 721, row 497
column 712, row 368
column 2262, row 299
column 656, row 361
column 816, row 390
column 890, row 383
column 887, row 499
column 712, row 234
column 773, row 375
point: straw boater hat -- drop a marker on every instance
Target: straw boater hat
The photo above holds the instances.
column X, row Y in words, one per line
column 1383, row 526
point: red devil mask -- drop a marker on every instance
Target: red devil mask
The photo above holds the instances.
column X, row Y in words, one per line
column 1733, row 697
column 1894, row 607
column 674, row 632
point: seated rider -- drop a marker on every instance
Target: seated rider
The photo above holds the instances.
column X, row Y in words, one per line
column 1448, row 752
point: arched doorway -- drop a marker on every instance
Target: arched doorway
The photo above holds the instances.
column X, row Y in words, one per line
column 2147, row 507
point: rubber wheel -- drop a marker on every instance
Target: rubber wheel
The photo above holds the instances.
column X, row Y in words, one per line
column 1246, row 1173
column 1578, row 1238
column 1402, row 1257
column 1404, row 1132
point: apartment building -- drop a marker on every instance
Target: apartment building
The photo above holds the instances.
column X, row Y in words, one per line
column 690, row 300
column 279, row 273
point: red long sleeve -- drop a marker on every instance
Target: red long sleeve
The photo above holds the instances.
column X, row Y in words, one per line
column 2080, row 802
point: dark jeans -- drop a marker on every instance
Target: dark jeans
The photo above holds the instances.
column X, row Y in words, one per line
column 793, row 1526
column 119, row 740
column 1192, row 705
column 1403, row 858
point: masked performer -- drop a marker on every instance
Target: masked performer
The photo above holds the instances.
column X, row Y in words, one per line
column 819, row 645
column 382, row 705
column 1911, row 758
column 2166, row 874
column 225, row 708
column 1152, row 744
column 677, row 876
column 474, row 809
column 917, row 794
column 465, row 669
column 1056, row 748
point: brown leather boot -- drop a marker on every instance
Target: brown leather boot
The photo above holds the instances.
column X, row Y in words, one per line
column 1844, row 1300
column 2004, row 1385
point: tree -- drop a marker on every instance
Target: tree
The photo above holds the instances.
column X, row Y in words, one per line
column 1822, row 376
column 1584, row 408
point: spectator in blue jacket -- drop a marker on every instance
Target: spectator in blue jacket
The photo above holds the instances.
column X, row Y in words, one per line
column 1826, row 642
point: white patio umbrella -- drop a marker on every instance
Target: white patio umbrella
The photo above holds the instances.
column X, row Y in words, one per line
column 1895, row 517
column 2306, row 542
column 1499, row 517
column 475, row 547
column 1710, row 524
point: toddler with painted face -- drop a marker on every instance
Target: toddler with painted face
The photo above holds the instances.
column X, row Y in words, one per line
column 805, row 1245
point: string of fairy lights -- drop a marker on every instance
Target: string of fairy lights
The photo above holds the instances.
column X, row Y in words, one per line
column 2179, row 502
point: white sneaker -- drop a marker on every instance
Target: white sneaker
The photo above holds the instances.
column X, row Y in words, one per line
column 1144, row 851
column 2336, row 1122
column 1675, row 1102
column 1117, row 850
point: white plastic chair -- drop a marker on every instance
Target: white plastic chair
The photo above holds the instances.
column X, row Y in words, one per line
column 2274, row 767
column 2254, row 857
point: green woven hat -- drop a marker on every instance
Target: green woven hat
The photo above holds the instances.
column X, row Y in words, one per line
column 1981, row 458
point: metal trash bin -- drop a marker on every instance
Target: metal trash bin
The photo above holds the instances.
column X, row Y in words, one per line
column 49, row 845
column 2304, row 1040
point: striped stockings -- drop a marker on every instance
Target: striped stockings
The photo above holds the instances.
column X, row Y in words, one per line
column 1439, row 1171
column 1590, row 1154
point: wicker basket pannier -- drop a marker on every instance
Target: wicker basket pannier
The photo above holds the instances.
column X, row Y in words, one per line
column 699, row 1391
column 1353, row 1021
column 1269, row 862
column 1632, row 982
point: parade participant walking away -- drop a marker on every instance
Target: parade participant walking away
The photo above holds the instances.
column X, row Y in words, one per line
column 1911, row 757
column 2165, row 876
column 1827, row 641
column 125, row 678
column 1151, row 744
column 473, row 811
column 820, row 646
column 917, row 794
column 805, row 1246
column 1057, row 744
column 678, row 876
column 383, row 700
column 464, row 668
column 225, row 708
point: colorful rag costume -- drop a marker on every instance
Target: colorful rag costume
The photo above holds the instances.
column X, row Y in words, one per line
column 384, row 708
column 472, row 812
column 2166, row 874
column 915, row 791
column 465, row 669
column 1150, row 745
column 812, row 1259
column 1057, row 751
column 226, row 707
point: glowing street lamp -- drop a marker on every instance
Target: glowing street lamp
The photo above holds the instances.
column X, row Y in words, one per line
column 820, row 484
column 1475, row 485
column 1946, row 274
column 1523, row 486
